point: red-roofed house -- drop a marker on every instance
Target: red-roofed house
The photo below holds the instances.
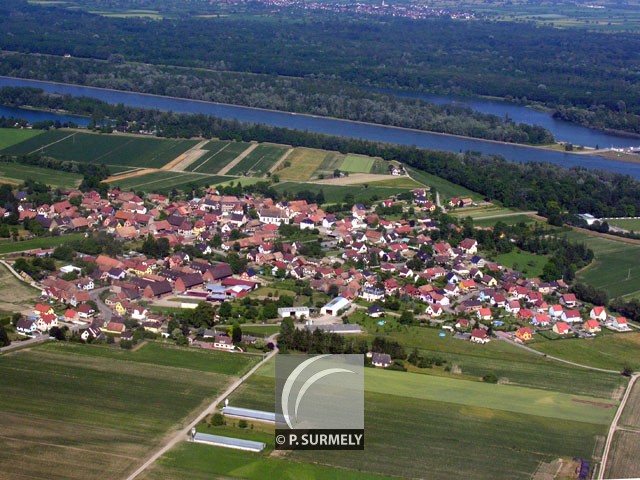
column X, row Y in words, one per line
column 598, row 313
column 592, row 326
column 561, row 328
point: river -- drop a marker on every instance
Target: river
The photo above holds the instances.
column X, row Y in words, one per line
column 351, row 129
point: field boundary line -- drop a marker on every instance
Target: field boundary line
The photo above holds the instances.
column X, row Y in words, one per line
column 182, row 434
column 100, row 452
column 614, row 427
column 53, row 143
column 284, row 156
column 210, row 157
column 238, row 159
column 185, row 159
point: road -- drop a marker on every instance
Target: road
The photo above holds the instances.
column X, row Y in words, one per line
column 105, row 311
column 25, row 344
column 614, row 426
column 185, row 432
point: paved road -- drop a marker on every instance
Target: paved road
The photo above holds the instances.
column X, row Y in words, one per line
column 105, row 311
column 26, row 343
column 185, row 432
column 614, row 426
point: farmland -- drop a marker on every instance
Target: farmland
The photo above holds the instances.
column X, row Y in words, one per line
column 616, row 268
column 12, row 136
column 68, row 145
column 447, row 189
column 631, row 224
column 220, row 155
column 60, row 408
column 164, row 180
column 259, row 161
column 7, row 246
column 305, row 162
column 427, row 417
column 18, row 173
column 622, row 461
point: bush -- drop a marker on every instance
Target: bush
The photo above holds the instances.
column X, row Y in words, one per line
column 490, row 378
column 217, row 419
column 126, row 344
column 243, row 424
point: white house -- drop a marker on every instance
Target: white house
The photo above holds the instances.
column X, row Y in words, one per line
column 223, row 343
column 26, row 327
column 307, row 224
column 382, row 360
column 372, row 294
column 598, row 313
column 139, row 313
column 273, row 216
column 479, row 336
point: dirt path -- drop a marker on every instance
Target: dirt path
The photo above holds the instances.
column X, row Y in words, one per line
column 614, row 427
column 184, row 432
column 282, row 159
column 137, row 173
column 238, row 159
column 52, row 143
column 181, row 162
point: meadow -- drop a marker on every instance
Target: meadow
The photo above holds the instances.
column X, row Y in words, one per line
column 337, row 193
column 165, row 180
column 631, row 224
column 17, row 173
column 524, row 262
column 446, row 188
column 259, row 161
column 59, row 408
column 304, row 164
column 613, row 351
column 9, row 246
column 14, row 294
column 616, row 268
column 12, row 136
column 74, row 146
column 220, row 154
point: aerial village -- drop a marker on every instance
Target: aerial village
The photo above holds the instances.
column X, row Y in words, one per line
column 218, row 250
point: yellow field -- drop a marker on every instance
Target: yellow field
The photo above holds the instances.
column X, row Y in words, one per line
column 304, row 162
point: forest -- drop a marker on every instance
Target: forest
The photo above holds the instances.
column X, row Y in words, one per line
column 588, row 77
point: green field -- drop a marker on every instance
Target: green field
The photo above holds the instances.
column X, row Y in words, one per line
column 613, row 351
column 401, row 182
column 165, row 355
column 525, row 262
column 510, row 220
column 18, row 173
column 336, row 193
column 616, row 268
column 259, row 161
column 357, row 164
column 220, row 155
column 12, row 136
column 8, row 246
column 307, row 162
column 74, row 146
column 631, row 224
column 165, row 180
column 71, row 415
column 447, row 189
column 411, row 432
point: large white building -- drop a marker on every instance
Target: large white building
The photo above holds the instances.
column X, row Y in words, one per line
column 334, row 306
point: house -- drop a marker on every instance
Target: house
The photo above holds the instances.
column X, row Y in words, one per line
column 561, row 328
column 223, row 342
column 571, row 316
column 375, row 311
column 46, row 322
column 540, row 319
column 297, row 312
column 71, row 316
column 187, row 281
column 382, row 360
column 524, row 334
column 598, row 313
column 26, row 326
column 91, row 332
column 620, row 323
column 371, row 294
column 434, row 310
column 462, row 324
column 41, row 309
column 479, row 336
column 335, row 306
column 485, row 314
column 273, row 216
column 139, row 313
column 85, row 311
column 157, row 289
column 592, row 326
column 114, row 327
column 555, row 311
column 569, row 299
